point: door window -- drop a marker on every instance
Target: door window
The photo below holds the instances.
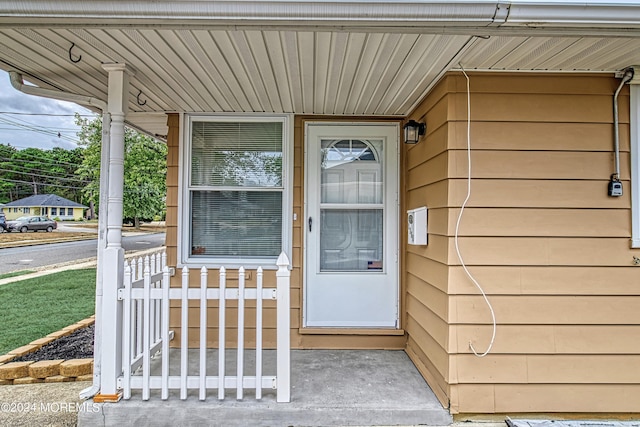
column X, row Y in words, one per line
column 351, row 239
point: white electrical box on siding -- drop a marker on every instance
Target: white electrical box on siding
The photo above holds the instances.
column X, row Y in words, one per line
column 417, row 226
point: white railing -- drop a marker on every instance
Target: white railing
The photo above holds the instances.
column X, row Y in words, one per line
column 146, row 296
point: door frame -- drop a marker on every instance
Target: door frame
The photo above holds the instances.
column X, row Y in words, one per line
column 391, row 235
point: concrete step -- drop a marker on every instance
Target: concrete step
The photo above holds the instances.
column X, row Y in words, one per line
column 329, row 388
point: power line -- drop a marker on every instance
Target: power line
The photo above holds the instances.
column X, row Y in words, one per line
column 47, row 114
column 25, row 122
column 44, row 185
column 65, row 130
column 36, row 128
column 53, row 162
column 125, row 191
column 37, row 167
column 44, row 176
column 63, row 175
column 30, row 126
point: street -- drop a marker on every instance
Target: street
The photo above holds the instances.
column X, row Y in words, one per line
column 31, row 257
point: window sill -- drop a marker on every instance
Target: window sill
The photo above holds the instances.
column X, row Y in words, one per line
column 349, row 331
column 229, row 265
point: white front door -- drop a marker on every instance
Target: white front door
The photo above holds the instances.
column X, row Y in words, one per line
column 351, row 225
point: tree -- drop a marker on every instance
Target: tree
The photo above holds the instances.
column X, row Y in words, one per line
column 145, row 171
column 8, row 186
column 34, row 171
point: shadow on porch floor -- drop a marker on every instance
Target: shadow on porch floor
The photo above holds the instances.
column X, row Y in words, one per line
column 328, row 388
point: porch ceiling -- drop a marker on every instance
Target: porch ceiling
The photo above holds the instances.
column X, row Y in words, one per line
column 363, row 69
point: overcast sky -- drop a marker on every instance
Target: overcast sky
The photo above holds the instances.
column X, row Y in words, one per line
column 43, row 123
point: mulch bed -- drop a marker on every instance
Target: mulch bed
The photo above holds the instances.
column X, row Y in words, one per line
column 77, row 345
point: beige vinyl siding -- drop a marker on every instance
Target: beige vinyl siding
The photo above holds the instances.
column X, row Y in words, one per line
column 171, row 220
column 426, row 273
column 540, row 234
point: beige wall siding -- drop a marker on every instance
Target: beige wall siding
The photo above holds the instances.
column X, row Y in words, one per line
column 540, row 234
column 173, row 155
column 426, row 272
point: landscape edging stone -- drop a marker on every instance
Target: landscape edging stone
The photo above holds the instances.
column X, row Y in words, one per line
column 6, row 364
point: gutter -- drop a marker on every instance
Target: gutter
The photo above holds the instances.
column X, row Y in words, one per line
column 327, row 14
column 18, row 83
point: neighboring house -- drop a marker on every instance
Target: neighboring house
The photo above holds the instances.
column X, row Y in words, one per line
column 50, row 205
column 284, row 125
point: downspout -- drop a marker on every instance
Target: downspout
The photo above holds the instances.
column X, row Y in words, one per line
column 89, row 392
column 18, row 83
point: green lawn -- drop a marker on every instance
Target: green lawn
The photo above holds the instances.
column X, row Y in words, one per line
column 33, row 308
column 15, row 274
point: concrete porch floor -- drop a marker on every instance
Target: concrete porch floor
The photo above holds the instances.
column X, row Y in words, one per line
column 328, row 388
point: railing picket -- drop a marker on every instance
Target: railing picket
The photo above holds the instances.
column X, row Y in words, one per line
column 203, row 333
column 158, row 302
column 221, row 332
column 139, row 312
column 184, row 332
column 155, row 302
column 126, row 336
column 146, row 356
column 139, row 268
column 240, row 357
column 165, row 333
column 259, row 335
column 283, row 344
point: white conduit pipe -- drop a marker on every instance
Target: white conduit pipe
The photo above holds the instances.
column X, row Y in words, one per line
column 18, row 83
column 628, row 75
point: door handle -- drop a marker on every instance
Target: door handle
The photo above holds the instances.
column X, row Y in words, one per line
column 310, row 222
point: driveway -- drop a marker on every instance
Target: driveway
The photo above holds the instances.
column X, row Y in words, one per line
column 76, row 228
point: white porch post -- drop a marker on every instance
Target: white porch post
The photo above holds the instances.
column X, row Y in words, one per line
column 283, row 333
column 113, row 259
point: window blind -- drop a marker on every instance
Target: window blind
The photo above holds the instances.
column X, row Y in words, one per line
column 236, row 189
column 237, row 154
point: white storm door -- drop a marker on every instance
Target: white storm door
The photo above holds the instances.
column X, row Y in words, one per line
column 351, row 226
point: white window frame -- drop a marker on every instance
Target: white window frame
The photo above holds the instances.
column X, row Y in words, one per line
column 184, row 254
column 634, row 119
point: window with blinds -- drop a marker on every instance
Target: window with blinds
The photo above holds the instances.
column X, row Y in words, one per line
column 236, row 189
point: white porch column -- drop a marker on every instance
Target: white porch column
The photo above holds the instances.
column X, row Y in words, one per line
column 113, row 259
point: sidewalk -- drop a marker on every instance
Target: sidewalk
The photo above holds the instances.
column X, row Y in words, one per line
column 35, row 405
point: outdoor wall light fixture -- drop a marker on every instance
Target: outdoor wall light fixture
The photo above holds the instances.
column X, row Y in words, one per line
column 413, row 131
